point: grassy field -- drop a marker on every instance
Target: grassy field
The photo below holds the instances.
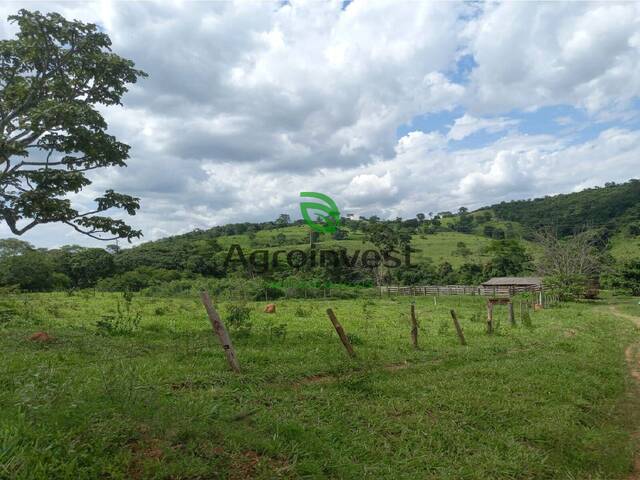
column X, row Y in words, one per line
column 140, row 389
column 439, row 247
column 625, row 248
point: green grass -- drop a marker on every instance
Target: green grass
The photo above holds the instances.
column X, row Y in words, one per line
column 546, row 401
column 624, row 247
column 439, row 247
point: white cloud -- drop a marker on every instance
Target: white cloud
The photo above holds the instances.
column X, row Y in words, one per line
column 535, row 54
column 468, row 125
column 249, row 103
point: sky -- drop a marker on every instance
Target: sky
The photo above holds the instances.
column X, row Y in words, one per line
column 391, row 108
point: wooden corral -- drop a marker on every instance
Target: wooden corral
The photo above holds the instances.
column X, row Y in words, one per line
column 496, row 287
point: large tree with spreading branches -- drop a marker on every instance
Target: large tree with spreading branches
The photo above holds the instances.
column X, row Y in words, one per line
column 53, row 75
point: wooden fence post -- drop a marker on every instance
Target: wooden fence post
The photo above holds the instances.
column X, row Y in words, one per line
column 459, row 331
column 512, row 317
column 540, row 299
column 489, row 317
column 221, row 332
column 414, row 326
column 341, row 334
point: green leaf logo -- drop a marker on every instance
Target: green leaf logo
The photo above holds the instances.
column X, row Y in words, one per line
column 327, row 213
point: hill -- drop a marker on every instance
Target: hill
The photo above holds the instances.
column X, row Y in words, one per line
column 461, row 247
column 613, row 208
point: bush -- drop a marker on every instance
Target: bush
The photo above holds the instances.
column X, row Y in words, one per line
column 125, row 321
column 60, row 281
column 567, row 287
column 138, row 279
column 31, row 271
column 238, row 319
column 301, row 312
column 625, row 279
column 277, row 331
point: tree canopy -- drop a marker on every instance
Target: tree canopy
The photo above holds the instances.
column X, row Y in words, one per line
column 53, row 75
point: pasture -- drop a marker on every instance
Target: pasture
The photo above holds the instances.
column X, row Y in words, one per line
column 139, row 388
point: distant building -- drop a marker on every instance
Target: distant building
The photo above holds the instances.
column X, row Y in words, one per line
column 512, row 284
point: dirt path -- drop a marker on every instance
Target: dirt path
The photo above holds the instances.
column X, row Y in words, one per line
column 632, row 354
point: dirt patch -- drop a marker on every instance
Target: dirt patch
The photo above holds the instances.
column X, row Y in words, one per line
column 633, row 360
column 632, row 356
column 143, row 451
column 396, row 366
column 328, row 378
column 315, row 379
column 250, row 463
column 41, row 337
column 189, row 385
column 626, row 316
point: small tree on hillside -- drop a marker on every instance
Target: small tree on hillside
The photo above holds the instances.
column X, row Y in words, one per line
column 626, row 277
column 387, row 239
column 571, row 265
column 508, row 257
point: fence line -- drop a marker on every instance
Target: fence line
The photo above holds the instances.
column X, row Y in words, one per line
column 493, row 291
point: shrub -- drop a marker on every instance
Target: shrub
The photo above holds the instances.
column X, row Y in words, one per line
column 302, row 312
column 567, row 287
column 625, row 278
column 238, row 319
column 277, row 331
column 124, row 322
column 138, row 279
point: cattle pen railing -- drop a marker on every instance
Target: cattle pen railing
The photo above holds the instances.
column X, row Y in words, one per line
column 485, row 291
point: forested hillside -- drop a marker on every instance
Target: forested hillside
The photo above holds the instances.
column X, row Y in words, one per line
column 613, row 208
column 446, row 248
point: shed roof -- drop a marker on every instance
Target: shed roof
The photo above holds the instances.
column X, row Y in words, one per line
column 495, row 281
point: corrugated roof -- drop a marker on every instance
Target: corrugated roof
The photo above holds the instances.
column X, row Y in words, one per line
column 513, row 281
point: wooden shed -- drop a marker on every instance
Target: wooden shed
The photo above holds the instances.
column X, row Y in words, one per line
column 511, row 285
column 514, row 282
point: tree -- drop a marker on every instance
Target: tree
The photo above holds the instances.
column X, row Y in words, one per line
column 462, row 250
column 464, row 223
column 387, row 238
column 626, row 277
column 10, row 247
column 508, row 257
column 574, row 255
column 471, row 274
column 89, row 265
column 340, row 234
column 113, row 249
column 483, row 217
column 283, row 219
column 53, row 76
column 281, row 239
column 30, row 270
column 572, row 265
